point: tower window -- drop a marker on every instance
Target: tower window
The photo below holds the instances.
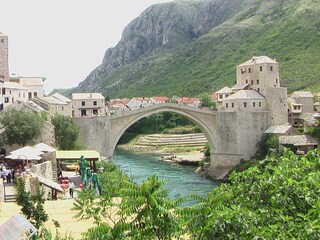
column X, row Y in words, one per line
column 249, row 70
column 245, row 104
column 254, row 104
column 259, row 104
column 95, row 103
column 271, row 68
column 260, row 68
column 232, row 105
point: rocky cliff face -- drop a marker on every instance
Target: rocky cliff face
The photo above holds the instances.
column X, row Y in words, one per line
column 192, row 47
column 160, row 27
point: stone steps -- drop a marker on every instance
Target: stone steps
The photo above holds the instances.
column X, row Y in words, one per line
column 195, row 139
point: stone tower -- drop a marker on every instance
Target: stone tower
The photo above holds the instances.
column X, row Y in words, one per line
column 262, row 74
column 4, row 65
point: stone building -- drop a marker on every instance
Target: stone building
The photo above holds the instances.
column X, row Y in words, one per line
column 4, row 65
column 88, row 105
column 299, row 104
column 56, row 104
column 262, row 74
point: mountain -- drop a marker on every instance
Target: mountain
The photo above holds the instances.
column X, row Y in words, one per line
column 193, row 47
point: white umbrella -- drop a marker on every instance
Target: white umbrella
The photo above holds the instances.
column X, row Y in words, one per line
column 44, row 147
column 23, row 157
column 25, row 153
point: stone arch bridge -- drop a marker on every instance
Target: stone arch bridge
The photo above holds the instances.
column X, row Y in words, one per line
column 232, row 135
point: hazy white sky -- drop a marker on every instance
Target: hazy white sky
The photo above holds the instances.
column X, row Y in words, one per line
column 63, row 40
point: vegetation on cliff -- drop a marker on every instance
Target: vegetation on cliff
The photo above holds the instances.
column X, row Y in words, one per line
column 193, row 47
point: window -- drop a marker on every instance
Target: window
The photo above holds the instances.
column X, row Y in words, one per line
column 259, row 104
column 260, row 68
column 277, row 81
column 254, row 104
column 220, row 96
column 257, row 81
column 83, row 113
column 10, row 92
column 6, row 99
column 226, row 105
column 95, row 112
column 62, row 108
column 83, row 103
column 249, row 70
column 19, row 94
column 251, row 82
column 2, row 40
column 95, row 103
column 29, row 95
column 247, row 81
column 232, row 104
column 3, row 91
column 258, row 90
column 35, row 94
column 245, row 104
column 271, row 68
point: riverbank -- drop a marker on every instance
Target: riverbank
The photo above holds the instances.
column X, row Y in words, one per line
column 175, row 147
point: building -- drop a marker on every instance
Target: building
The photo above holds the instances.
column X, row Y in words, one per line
column 33, row 84
column 56, row 104
column 116, row 106
column 299, row 103
column 140, row 102
column 88, row 104
column 222, row 94
column 245, row 100
column 262, row 75
column 12, row 92
column 158, row 100
column 4, row 64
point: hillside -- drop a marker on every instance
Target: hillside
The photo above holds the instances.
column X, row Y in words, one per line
column 193, row 47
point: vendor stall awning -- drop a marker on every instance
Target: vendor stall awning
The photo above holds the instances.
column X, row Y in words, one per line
column 49, row 183
column 75, row 155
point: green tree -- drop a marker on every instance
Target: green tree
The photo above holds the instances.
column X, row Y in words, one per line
column 151, row 214
column 276, row 200
column 31, row 205
column 206, row 101
column 21, row 127
column 66, row 132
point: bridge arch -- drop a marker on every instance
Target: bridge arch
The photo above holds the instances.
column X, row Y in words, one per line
column 204, row 119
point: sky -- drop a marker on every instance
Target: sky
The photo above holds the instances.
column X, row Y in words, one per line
column 64, row 40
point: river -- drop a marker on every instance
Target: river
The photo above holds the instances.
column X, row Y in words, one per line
column 181, row 180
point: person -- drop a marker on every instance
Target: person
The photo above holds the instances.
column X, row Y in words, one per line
column 71, row 187
column 95, row 183
column 83, row 167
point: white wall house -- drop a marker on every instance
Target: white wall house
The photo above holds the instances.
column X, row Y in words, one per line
column 136, row 103
column 88, row 105
column 12, row 92
column 33, row 84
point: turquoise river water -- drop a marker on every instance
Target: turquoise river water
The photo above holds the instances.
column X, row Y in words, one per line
column 181, row 180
